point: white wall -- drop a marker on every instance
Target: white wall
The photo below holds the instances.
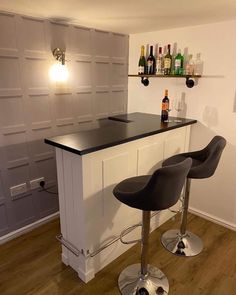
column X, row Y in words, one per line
column 212, row 102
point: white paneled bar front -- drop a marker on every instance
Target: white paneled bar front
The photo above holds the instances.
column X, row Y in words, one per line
column 90, row 215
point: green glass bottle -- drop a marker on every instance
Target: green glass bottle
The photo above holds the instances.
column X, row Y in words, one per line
column 179, row 64
column 142, row 62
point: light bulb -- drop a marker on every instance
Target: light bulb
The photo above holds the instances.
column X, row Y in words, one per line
column 58, row 73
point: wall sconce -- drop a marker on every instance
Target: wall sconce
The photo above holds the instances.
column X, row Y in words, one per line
column 59, row 72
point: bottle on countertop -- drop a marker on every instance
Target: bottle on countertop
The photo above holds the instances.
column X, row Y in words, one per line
column 160, row 62
column 142, row 62
column 167, row 62
column 165, row 107
column 189, row 69
column 179, row 64
column 151, row 63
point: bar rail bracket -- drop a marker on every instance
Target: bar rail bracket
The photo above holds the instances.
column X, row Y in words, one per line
column 72, row 248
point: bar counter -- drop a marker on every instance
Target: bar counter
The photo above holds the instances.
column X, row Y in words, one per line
column 113, row 131
column 89, row 164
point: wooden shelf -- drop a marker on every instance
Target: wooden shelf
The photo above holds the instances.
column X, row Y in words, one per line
column 145, row 77
column 165, row 76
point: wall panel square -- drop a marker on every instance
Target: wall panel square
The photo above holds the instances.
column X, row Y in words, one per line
column 36, row 73
column 34, row 34
column 101, row 104
column 118, row 101
column 102, row 74
column 18, row 175
column 23, row 209
column 82, row 73
column 102, row 43
column 37, row 145
column 81, row 41
column 39, row 110
column 8, row 35
column 83, row 105
column 11, row 111
column 14, row 152
column 118, row 46
column 47, row 168
column 63, row 106
column 119, row 76
column 47, row 203
column 9, row 73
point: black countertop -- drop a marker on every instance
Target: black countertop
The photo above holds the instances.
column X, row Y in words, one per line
column 113, row 131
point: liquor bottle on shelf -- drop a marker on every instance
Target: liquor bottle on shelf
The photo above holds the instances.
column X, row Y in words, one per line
column 178, row 64
column 142, row 62
column 151, row 63
column 167, row 62
column 189, row 69
column 165, row 108
column 160, row 62
column 198, row 65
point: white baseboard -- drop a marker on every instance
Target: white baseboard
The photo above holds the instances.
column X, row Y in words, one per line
column 16, row 233
column 213, row 218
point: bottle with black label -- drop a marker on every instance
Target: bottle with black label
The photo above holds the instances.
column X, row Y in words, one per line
column 151, row 63
column 165, row 107
column 167, row 62
column 142, row 62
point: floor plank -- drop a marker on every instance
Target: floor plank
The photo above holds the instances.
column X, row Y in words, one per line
column 31, row 264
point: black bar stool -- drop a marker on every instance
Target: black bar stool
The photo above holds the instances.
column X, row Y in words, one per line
column 149, row 193
column 204, row 163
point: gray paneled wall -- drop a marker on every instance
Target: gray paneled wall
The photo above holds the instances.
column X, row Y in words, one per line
column 32, row 107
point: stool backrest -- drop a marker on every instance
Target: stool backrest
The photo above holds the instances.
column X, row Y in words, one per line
column 165, row 185
column 210, row 157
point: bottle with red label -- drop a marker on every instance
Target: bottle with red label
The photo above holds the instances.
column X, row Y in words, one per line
column 165, row 107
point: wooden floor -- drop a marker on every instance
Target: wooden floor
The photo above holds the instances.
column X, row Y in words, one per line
column 31, row 264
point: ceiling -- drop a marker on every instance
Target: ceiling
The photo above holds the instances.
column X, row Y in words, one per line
column 127, row 16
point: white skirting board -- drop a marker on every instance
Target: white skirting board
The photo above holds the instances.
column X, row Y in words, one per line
column 213, row 218
column 14, row 234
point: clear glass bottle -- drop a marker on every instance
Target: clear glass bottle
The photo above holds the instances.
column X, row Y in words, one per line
column 189, row 69
column 198, row 65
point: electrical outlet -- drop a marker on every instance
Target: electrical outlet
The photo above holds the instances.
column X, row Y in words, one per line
column 18, row 189
column 35, row 183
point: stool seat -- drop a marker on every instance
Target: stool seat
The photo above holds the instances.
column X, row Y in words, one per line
column 130, row 186
column 158, row 191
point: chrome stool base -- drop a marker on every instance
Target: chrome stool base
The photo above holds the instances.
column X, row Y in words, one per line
column 131, row 281
column 186, row 245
